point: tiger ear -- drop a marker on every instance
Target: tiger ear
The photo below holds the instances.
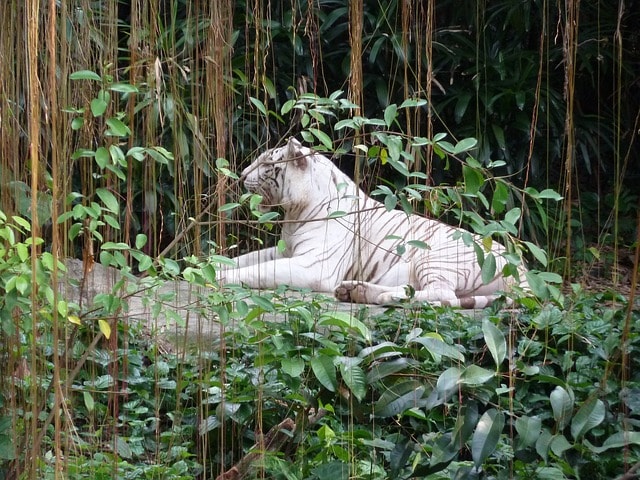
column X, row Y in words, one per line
column 296, row 153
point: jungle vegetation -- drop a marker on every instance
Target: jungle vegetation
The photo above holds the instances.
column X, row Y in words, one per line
column 123, row 126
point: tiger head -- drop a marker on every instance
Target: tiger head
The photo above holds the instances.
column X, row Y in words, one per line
column 282, row 176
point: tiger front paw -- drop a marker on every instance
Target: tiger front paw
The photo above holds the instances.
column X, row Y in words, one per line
column 351, row 291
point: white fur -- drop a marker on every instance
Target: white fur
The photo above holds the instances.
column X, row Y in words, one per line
column 352, row 255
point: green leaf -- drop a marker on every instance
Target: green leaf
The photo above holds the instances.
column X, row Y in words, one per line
column 117, row 128
column 353, row 377
column 88, row 401
column 486, row 436
column 617, row 440
column 390, row 114
column 108, row 199
column 589, row 415
column 528, row 429
column 419, row 244
column 473, row 180
column 259, row 105
column 123, row 88
column 537, row 284
column 268, row 217
column 115, row 246
column 98, row 107
column 539, row 254
column 398, row 398
column 337, row 214
column 559, row 444
column 495, row 341
column 322, row 137
column 448, row 380
column 513, row 216
column 228, row 207
column 488, row 271
column 500, row 197
column 123, row 448
column 438, row 348
column 292, row 366
column 464, row 145
column 499, row 134
column 476, row 375
column 141, row 240
column 102, row 157
column 85, row 75
column 346, row 322
column 562, row 406
column 324, row 370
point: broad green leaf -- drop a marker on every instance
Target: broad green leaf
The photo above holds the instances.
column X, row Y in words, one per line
column 500, row 197
column 115, row 246
column 117, row 128
column 495, row 341
column 88, row 401
column 476, row 375
column 398, row 398
column 123, row 448
column 537, row 252
column 322, row 137
column 390, row 114
column 444, row 450
column 23, row 252
column 562, row 406
column 337, row 214
column 464, row 145
column 448, row 380
column 123, row 88
column 438, row 348
column 21, row 284
column 354, row 377
column 324, row 370
column 617, row 440
column 473, row 180
column 559, row 444
column 537, row 284
column 486, row 437
column 74, row 319
column 589, row 415
column 513, row 216
column 389, row 368
column 287, row 106
column 345, row 321
column 102, row 157
column 528, row 429
column 268, row 217
column 488, row 270
column 418, row 244
column 108, row 199
column 543, row 443
column 85, row 75
column 259, row 105
column 141, row 240
column 98, row 107
column 292, row 366
column 228, row 207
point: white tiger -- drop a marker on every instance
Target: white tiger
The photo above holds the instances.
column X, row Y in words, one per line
column 355, row 255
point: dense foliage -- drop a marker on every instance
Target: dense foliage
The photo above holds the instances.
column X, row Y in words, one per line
column 123, row 127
